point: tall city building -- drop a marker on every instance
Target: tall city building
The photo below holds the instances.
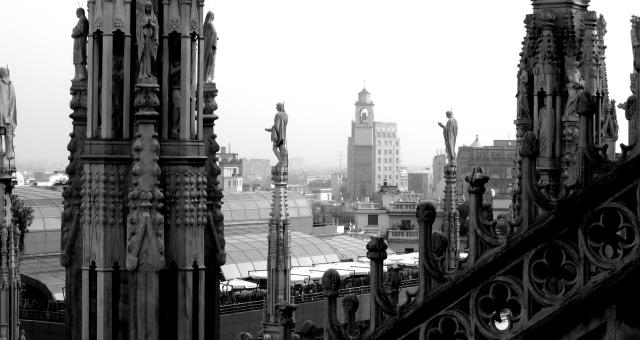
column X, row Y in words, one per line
column 497, row 162
column 373, row 155
column 439, row 160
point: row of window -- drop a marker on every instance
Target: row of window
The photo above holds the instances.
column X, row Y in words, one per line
column 388, row 143
column 387, row 160
column 385, row 134
column 387, row 168
column 387, row 177
column 387, row 151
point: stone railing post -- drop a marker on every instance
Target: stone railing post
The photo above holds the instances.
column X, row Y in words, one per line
column 476, row 181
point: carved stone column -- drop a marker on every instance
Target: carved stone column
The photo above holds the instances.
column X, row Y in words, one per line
column 450, row 218
column 214, row 244
column 71, row 238
column 145, row 230
column 9, row 262
column 279, row 256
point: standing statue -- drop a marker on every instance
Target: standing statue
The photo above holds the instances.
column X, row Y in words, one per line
column 575, row 86
column 450, row 132
column 523, row 93
column 79, row 35
column 8, row 114
column 544, row 140
column 210, row 47
column 147, row 30
column 279, row 135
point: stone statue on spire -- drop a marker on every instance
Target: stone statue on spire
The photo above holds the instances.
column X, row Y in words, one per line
column 279, row 135
column 450, row 132
column 210, row 47
column 79, row 35
column 148, row 33
column 8, row 114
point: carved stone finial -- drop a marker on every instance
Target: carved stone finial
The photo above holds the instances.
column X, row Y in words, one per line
column 331, row 282
column 426, row 213
column 377, row 248
column 477, row 180
column 529, row 146
column 350, row 303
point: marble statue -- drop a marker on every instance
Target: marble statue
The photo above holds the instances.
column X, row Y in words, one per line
column 8, row 114
column 279, row 135
column 79, row 35
column 575, row 86
column 210, row 47
column 147, row 30
column 450, row 132
column 544, row 139
column 523, row 97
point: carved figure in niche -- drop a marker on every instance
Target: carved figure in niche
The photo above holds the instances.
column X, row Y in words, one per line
column 523, row 93
column 544, row 140
column 8, row 113
column 210, row 47
column 147, row 30
column 79, row 35
column 364, row 114
column 575, row 86
column 279, row 135
column 174, row 88
column 450, row 132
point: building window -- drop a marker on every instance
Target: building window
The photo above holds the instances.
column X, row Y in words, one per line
column 408, row 250
column 378, row 168
column 372, row 220
column 397, row 152
column 397, row 160
column 378, row 151
column 379, row 160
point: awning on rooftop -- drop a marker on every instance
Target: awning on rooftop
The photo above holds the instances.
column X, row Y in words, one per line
column 44, row 273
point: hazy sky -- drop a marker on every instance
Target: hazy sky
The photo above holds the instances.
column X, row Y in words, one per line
column 419, row 58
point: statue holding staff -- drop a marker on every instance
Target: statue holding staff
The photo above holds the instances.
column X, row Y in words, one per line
column 210, row 47
column 450, row 132
column 279, row 135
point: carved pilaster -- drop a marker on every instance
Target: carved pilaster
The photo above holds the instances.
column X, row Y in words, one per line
column 70, row 239
column 145, row 229
column 215, row 255
column 450, row 223
column 279, row 255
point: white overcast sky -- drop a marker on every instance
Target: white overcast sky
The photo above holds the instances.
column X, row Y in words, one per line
column 418, row 58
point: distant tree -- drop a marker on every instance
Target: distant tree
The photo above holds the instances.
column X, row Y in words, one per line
column 22, row 217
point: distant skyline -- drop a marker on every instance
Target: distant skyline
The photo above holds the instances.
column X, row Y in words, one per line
column 418, row 60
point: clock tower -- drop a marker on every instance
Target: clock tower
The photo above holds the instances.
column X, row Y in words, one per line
column 360, row 155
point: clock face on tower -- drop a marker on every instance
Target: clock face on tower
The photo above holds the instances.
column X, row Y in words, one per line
column 364, row 115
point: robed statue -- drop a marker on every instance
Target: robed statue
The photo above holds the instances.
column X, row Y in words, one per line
column 147, row 31
column 450, row 132
column 79, row 35
column 279, row 135
column 210, row 47
column 575, row 86
column 8, row 114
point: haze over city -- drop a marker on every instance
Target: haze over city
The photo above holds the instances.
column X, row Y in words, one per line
column 417, row 59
